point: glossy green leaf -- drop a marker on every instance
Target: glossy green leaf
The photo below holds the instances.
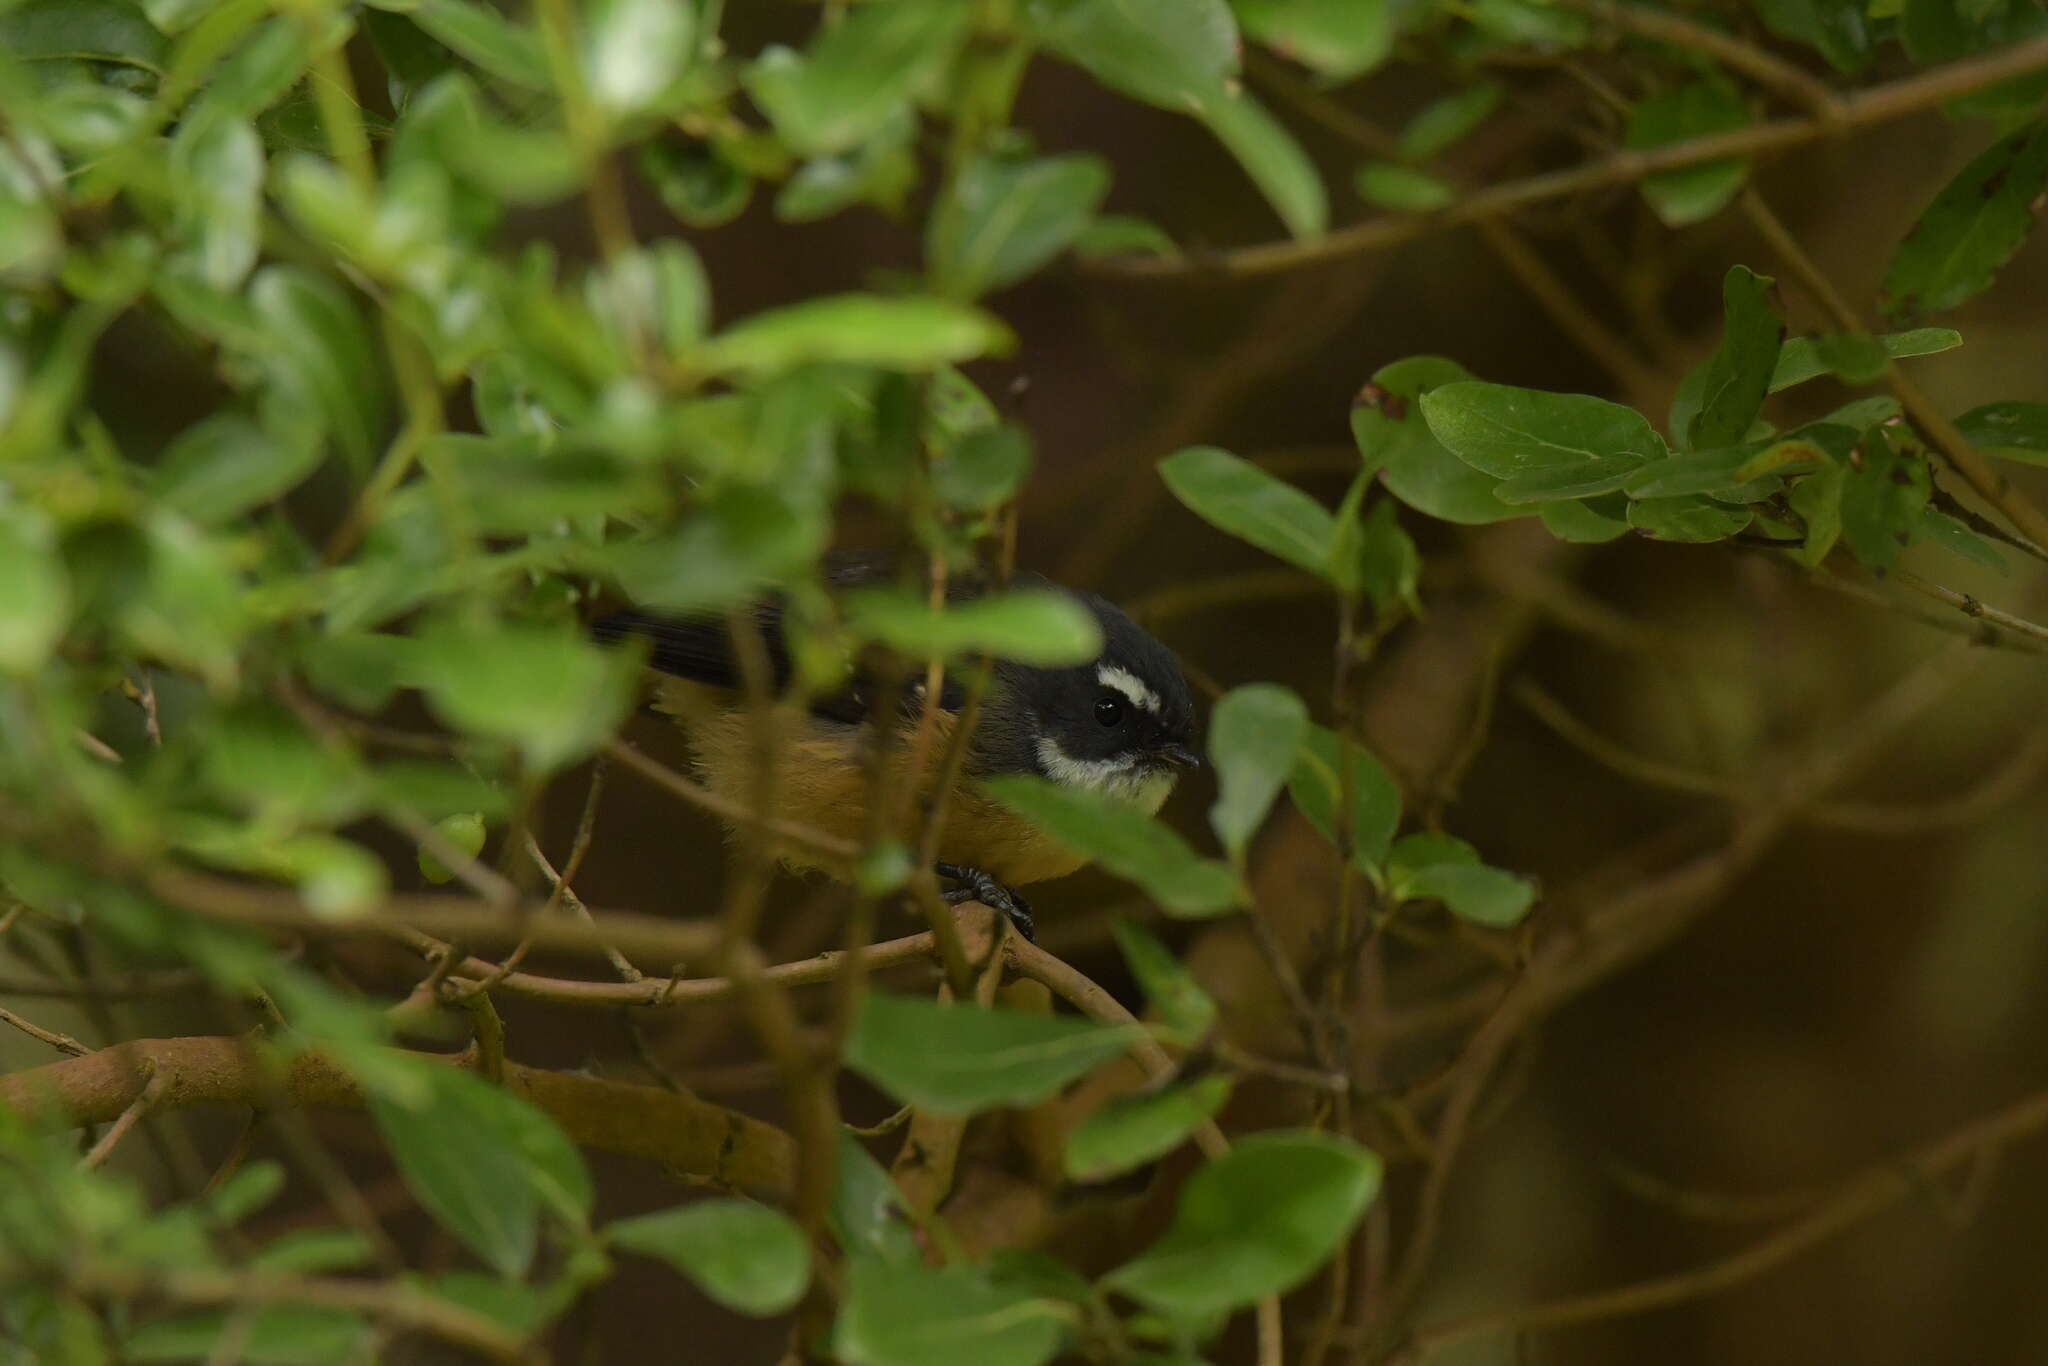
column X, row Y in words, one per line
column 36, row 605
column 1590, row 521
column 541, row 688
column 1882, row 499
column 1176, row 54
column 1738, row 374
column 909, row 333
column 319, row 355
column 270, row 1335
column 1418, row 469
column 1689, row 518
column 1123, row 839
column 1273, row 159
column 484, row 1163
column 1817, row 499
column 909, row 1314
column 222, row 467
column 218, row 164
column 1371, row 555
column 1001, row 218
column 1255, row 733
column 1838, row 29
column 484, row 36
column 1804, row 358
column 746, row 1256
column 1133, row 1130
column 1688, row 194
column 984, row 469
column 1472, row 891
column 634, row 51
column 1559, row 445
column 867, row 1216
column 1404, row 189
column 1337, row 39
column 1175, row 997
column 858, row 74
column 2011, row 431
column 1032, row 626
column 1445, row 122
column 1971, row 228
column 960, row 1059
column 1316, row 785
column 1937, row 528
column 1238, row 497
column 1255, row 1222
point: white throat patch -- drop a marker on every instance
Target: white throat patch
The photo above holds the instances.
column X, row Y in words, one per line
column 1129, row 684
column 1122, row 778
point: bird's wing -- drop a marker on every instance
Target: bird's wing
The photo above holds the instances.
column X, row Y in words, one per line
column 700, row 648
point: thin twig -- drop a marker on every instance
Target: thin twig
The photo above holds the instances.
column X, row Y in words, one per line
column 1665, row 26
column 63, row 1043
column 126, row 1120
column 1860, row 109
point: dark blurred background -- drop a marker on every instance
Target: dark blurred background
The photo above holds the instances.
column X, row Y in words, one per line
column 1854, row 995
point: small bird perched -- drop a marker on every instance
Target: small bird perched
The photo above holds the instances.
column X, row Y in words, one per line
column 1121, row 724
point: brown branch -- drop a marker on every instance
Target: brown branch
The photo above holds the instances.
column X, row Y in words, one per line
column 1766, row 70
column 1880, row 1187
column 1861, row 109
column 63, row 1043
column 693, row 1136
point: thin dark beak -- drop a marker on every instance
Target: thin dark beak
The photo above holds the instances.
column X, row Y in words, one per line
column 1181, row 754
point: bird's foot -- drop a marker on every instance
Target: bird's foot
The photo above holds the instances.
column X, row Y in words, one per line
column 972, row 884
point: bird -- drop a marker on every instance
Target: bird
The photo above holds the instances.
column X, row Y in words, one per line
column 1122, row 724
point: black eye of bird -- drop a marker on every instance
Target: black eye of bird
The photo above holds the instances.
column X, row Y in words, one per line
column 1109, row 711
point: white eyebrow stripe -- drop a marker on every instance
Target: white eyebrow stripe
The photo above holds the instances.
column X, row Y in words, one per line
column 1129, row 684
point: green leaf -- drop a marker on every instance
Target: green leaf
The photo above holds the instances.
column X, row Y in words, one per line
column 463, row 829
column 908, row 1314
column 859, row 73
column 1176, row 54
column 1123, row 234
column 1447, row 121
column 1001, row 218
column 1882, row 500
column 1542, row 444
column 222, row 467
column 1273, row 159
column 1937, row 528
column 271, row 1335
column 319, row 357
column 1418, row 469
column 1255, row 733
column 1718, row 472
column 1837, row 29
column 1372, row 554
column 961, row 1059
column 1404, row 189
column 1336, row 39
column 634, row 51
column 1045, row 627
column 740, row 542
column 1687, row 519
column 696, row 182
column 1176, row 998
column 315, row 1251
column 1739, row 372
column 481, row 35
column 1133, row 1130
column 882, row 171
column 748, row 1257
column 867, row 1217
column 909, row 333
column 1688, row 194
column 2011, row 431
column 1238, row 497
column 541, row 688
column 484, row 1163
column 217, row 166
column 1121, row 837
column 1803, row 358
column 1592, row 521
column 1474, row 892
column 1255, row 1222
column 1316, row 786
column 1971, row 228
column 657, row 291
column 984, row 469
column 1818, row 500
column 36, row 605
column 95, row 30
